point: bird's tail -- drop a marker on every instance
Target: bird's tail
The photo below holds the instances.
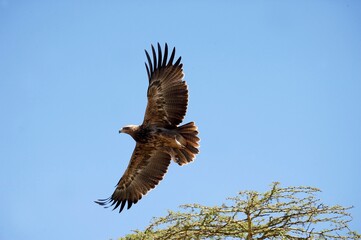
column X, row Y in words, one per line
column 189, row 132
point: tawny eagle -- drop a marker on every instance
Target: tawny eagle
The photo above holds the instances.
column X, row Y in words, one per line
column 159, row 138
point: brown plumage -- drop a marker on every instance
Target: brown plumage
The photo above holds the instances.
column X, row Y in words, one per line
column 159, row 138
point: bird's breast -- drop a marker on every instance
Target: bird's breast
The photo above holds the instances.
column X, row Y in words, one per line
column 159, row 137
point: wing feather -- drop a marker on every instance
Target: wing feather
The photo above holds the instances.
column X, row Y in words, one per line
column 146, row 168
column 167, row 91
column 159, row 56
column 154, row 58
column 171, row 57
column 165, row 55
column 150, row 64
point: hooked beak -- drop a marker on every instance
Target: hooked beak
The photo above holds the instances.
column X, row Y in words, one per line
column 121, row 130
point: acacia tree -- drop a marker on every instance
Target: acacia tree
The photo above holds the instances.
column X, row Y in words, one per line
column 280, row 213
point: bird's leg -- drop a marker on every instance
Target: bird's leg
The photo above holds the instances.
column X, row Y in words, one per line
column 171, row 138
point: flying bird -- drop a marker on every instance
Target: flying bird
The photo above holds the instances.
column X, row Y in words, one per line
column 160, row 138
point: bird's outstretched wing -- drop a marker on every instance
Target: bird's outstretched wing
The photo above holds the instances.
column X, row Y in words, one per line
column 146, row 168
column 167, row 91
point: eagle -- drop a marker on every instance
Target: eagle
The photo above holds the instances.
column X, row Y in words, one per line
column 160, row 138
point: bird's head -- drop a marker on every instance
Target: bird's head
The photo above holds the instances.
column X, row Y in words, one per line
column 129, row 129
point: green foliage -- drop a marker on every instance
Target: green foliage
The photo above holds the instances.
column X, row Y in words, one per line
column 280, row 213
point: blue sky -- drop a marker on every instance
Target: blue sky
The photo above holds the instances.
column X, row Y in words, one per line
column 274, row 88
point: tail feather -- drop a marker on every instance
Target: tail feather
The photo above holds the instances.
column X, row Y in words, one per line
column 187, row 154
